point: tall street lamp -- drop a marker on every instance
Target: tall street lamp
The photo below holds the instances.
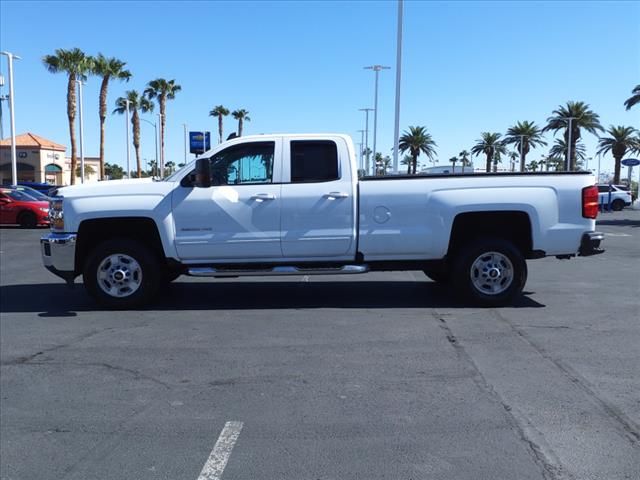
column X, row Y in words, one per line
column 161, row 152
column 80, row 83
column 366, row 136
column 155, row 136
column 567, row 162
column 376, row 69
column 396, row 127
column 184, row 125
column 2, row 99
column 361, row 132
column 12, row 121
column 127, row 102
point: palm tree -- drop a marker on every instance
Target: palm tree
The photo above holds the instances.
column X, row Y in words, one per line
column 525, row 135
column 634, row 98
column 583, row 118
column 513, row 155
column 137, row 103
column 75, row 64
column 417, row 140
column 219, row 111
column 453, row 160
column 465, row 159
column 162, row 90
column 533, row 166
column 559, row 149
column 242, row 116
column 621, row 140
column 107, row 68
column 490, row 144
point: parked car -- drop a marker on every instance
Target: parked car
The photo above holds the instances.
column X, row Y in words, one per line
column 41, row 187
column 19, row 208
column 32, row 192
column 273, row 205
column 620, row 196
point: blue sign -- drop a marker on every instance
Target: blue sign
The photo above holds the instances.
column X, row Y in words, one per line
column 199, row 142
column 630, row 162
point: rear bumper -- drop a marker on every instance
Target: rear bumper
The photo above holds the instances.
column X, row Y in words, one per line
column 59, row 254
column 590, row 244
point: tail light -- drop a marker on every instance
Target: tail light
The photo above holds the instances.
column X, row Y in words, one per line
column 590, row 202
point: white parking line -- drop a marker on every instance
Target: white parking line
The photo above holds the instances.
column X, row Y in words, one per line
column 219, row 456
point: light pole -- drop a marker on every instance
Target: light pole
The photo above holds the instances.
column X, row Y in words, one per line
column 155, row 136
column 567, row 166
column 184, row 125
column 2, row 99
column 12, row 121
column 599, row 157
column 361, row 144
column 79, row 82
column 366, row 137
column 396, row 128
column 376, row 69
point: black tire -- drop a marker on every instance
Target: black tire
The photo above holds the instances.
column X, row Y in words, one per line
column 27, row 220
column 146, row 278
column 617, row 205
column 439, row 276
column 490, row 272
column 171, row 274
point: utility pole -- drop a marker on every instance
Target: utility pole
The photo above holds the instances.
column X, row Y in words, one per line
column 376, row 69
column 128, row 143
column 12, row 121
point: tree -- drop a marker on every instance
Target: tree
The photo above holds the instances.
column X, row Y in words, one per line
column 513, row 155
column 583, row 118
column 219, row 111
column 621, row 140
column 634, row 98
column 242, row 116
column 107, row 68
column 490, row 145
column 75, row 64
column 533, row 166
column 417, row 140
column 113, row 171
column 137, row 103
column 453, row 160
column 465, row 159
column 88, row 171
column 559, row 149
column 162, row 90
column 524, row 135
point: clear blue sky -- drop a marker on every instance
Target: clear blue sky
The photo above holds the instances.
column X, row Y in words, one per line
column 468, row 67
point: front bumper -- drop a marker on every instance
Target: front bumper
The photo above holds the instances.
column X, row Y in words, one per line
column 590, row 244
column 59, row 254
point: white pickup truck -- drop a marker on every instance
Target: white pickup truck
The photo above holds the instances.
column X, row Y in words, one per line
column 294, row 205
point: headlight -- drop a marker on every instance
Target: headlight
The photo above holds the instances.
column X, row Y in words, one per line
column 56, row 215
column 45, row 210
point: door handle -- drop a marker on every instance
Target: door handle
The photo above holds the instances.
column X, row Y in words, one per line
column 334, row 195
column 259, row 197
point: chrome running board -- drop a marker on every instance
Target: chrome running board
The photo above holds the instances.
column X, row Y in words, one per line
column 277, row 271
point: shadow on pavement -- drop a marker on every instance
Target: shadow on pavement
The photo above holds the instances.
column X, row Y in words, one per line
column 621, row 222
column 56, row 300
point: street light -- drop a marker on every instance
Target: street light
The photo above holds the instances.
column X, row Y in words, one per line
column 376, row 69
column 128, row 146
column 361, row 144
column 366, row 136
column 396, row 127
column 155, row 129
column 184, row 125
column 2, row 99
column 159, row 115
column 568, row 160
column 14, row 164
column 79, row 82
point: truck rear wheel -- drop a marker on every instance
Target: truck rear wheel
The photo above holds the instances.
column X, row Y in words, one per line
column 122, row 273
column 490, row 272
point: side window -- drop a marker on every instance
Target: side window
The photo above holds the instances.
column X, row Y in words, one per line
column 247, row 163
column 603, row 188
column 314, row 161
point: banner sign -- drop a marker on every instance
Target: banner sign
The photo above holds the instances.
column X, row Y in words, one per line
column 199, row 142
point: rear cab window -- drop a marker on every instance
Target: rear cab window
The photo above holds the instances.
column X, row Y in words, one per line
column 314, row 161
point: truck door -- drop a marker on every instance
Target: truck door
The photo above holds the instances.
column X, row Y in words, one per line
column 318, row 201
column 238, row 217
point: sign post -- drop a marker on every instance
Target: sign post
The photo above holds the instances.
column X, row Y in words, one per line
column 199, row 142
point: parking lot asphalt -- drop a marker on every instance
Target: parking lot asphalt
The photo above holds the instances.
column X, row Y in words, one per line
column 379, row 376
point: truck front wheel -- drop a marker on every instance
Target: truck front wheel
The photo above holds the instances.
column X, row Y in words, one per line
column 490, row 272
column 122, row 273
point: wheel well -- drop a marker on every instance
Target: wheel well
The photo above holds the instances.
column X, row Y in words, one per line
column 94, row 232
column 510, row 225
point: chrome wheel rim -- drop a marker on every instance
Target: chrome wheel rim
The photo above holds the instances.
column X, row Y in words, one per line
column 492, row 273
column 119, row 275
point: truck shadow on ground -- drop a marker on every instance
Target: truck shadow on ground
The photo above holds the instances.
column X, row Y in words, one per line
column 56, row 300
column 619, row 222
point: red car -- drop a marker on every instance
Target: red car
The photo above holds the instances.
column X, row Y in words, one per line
column 17, row 207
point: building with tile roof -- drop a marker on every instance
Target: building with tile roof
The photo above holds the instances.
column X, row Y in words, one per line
column 41, row 160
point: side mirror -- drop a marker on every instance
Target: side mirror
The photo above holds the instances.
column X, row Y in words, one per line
column 203, row 173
